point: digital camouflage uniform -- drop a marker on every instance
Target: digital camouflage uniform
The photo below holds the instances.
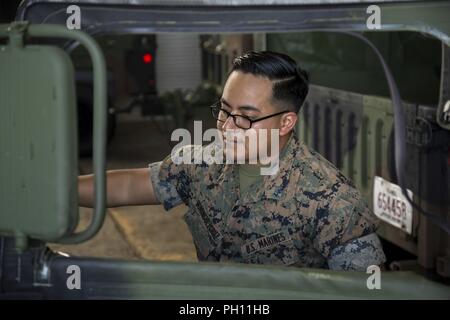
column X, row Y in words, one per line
column 306, row 215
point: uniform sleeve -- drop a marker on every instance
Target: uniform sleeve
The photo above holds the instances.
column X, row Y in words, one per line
column 357, row 254
column 165, row 192
column 171, row 182
column 345, row 233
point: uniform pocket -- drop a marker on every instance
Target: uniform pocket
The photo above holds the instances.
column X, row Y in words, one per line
column 276, row 248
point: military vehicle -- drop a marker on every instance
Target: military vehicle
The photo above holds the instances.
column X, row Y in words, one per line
column 395, row 149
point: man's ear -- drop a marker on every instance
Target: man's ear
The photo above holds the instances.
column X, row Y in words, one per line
column 288, row 121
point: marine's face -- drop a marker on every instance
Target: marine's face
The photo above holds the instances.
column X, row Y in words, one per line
column 251, row 96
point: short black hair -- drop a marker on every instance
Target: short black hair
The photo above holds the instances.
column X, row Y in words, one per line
column 290, row 82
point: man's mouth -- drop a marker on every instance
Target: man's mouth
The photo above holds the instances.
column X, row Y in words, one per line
column 233, row 139
column 232, row 143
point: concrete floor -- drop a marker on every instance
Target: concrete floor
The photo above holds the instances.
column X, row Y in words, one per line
column 141, row 232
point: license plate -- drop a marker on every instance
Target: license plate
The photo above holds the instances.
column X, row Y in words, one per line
column 391, row 206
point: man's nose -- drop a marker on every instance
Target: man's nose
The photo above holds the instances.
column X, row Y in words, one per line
column 229, row 124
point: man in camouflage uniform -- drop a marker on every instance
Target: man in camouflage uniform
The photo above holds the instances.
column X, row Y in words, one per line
column 307, row 215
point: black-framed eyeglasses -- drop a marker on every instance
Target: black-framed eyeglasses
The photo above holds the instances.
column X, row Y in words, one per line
column 240, row 121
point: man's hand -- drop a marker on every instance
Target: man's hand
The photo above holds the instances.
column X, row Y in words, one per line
column 124, row 188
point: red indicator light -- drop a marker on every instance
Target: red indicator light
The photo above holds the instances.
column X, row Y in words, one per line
column 147, row 58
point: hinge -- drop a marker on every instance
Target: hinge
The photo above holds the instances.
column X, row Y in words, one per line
column 17, row 31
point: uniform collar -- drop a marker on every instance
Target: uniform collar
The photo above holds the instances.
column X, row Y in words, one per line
column 274, row 186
